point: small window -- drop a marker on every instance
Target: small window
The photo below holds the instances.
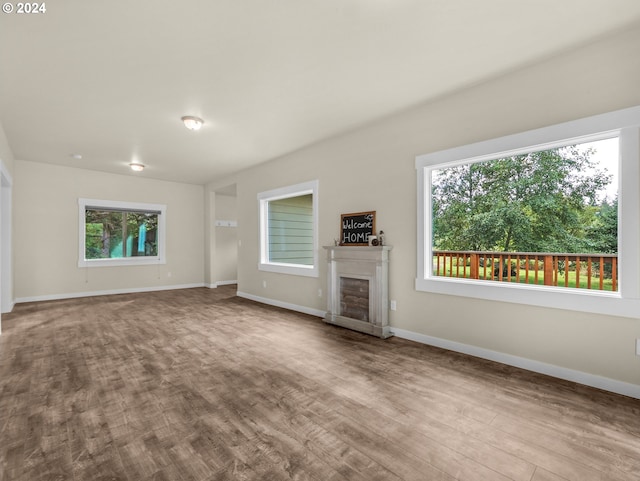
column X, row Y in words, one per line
column 120, row 233
column 288, row 230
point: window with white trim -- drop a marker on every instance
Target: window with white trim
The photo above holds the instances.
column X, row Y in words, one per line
column 114, row 233
column 288, row 229
column 479, row 281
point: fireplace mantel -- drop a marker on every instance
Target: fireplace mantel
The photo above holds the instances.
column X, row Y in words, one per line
column 358, row 288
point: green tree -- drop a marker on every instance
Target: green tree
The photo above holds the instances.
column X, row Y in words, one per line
column 536, row 202
column 104, row 229
column 108, row 233
column 603, row 232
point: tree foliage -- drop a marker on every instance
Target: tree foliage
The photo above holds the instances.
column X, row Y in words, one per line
column 107, row 233
column 544, row 201
column 603, row 231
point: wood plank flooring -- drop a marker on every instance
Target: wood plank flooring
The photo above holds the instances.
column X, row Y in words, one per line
column 198, row 384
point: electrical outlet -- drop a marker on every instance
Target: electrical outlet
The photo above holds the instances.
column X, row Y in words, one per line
column 319, row 292
column 637, row 347
column 393, row 305
column 264, row 284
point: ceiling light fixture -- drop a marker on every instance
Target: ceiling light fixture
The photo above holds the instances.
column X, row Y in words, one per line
column 192, row 123
column 136, row 167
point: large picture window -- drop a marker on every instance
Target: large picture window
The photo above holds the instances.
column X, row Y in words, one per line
column 546, row 217
column 120, row 233
column 288, row 229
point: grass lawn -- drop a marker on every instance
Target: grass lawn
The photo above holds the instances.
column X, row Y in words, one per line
column 457, row 271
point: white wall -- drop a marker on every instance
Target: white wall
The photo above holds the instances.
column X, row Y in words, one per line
column 209, row 237
column 6, row 196
column 6, row 155
column 46, row 232
column 226, row 246
column 6, row 241
column 373, row 169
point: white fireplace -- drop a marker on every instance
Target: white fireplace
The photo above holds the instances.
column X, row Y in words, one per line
column 358, row 288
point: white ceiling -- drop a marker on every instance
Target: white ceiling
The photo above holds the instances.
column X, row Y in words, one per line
column 111, row 79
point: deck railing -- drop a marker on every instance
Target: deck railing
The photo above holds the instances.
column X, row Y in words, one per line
column 582, row 271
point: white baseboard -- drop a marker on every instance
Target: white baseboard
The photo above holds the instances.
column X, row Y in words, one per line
column 285, row 305
column 221, row 283
column 73, row 295
column 619, row 387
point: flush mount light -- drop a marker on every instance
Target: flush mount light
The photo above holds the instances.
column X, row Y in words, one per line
column 192, row 123
column 136, row 167
column 76, row 156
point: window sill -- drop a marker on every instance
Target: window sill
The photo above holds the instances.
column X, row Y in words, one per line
column 292, row 269
column 129, row 261
column 598, row 302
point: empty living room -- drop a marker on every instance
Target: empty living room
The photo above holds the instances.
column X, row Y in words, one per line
column 320, row 240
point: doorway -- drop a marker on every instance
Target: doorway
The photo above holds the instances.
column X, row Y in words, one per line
column 226, row 237
column 6, row 267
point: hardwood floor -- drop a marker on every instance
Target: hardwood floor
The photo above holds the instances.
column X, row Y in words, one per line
column 198, row 384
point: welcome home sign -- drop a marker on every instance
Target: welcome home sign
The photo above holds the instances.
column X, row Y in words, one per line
column 356, row 228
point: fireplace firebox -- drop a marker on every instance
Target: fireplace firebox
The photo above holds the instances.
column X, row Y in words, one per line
column 358, row 288
column 354, row 298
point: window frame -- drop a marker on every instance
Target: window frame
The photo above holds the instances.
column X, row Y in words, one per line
column 97, row 204
column 264, row 264
column 625, row 124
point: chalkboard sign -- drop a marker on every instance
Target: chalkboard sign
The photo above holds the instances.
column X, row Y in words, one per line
column 355, row 229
